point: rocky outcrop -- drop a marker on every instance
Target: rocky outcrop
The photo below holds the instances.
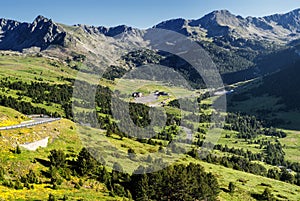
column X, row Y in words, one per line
column 107, row 31
column 41, row 33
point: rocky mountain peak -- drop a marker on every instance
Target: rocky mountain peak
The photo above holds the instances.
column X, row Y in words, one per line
column 221, row 13
column 222, row 18
column 113, row 31
column 40, row 18
column 41, row 33
column 7, row 24
column 178, row 25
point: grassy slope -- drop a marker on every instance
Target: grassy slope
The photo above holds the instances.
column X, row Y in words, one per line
column 252, row 184
column 31, row 68
column 10, row 117
column 63, row 135
column 291, row 145
column 28, row 68
column 39, row 69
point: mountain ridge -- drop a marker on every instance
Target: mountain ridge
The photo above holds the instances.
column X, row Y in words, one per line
column 41, row 33
column 235, row 43
column 278, row 28
column 222, row 23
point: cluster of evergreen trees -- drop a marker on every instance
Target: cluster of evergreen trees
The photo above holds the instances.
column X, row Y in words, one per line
column 38, row 92
column 175, row 182
column 22, row 106
column 273, row 154
column 250, row 127
column 41, row 92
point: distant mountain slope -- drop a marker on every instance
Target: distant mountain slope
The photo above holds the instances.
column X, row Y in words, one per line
column 283, row 84
column 240, row 47
column 110, row 31
column 239, row 31
column 271, row 62
column 289, row 21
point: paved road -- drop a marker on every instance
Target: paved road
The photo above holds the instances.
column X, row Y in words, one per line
column 33, row 122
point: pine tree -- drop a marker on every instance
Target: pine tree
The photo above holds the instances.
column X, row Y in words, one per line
column 108, row 132
column 57, row 158
column 85, row 162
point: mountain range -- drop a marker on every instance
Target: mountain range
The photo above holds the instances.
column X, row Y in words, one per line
column 236, row 44
column 277, row 28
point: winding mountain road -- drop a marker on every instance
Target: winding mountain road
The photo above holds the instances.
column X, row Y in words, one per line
column 33, row 122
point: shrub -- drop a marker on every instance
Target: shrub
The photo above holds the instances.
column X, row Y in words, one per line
column 77, row 186
column 8, row 183
column 119, row 190
column 231, row 187
column 18, row 150
column 65, row 198
column 267, row 195
column 80, row 182
column 2, row 173
column 51, row 197
column 18, row 185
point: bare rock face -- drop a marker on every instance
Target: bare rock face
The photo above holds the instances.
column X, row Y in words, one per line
column 41, row 33
column 107, row 31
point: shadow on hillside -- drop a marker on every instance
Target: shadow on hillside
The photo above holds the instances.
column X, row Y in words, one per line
column 43, row 162
column 13, row 151
column 278, row 118
column 225, row 190
column 47, row 175
column 257, row 196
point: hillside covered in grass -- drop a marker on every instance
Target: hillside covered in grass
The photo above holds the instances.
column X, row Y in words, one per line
column 10, row 117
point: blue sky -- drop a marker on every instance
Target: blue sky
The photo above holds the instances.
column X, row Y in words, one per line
column 137, row 13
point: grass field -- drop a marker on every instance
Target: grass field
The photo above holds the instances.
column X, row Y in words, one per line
column 237, row 143
column 291, row 145
column 248, row 184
